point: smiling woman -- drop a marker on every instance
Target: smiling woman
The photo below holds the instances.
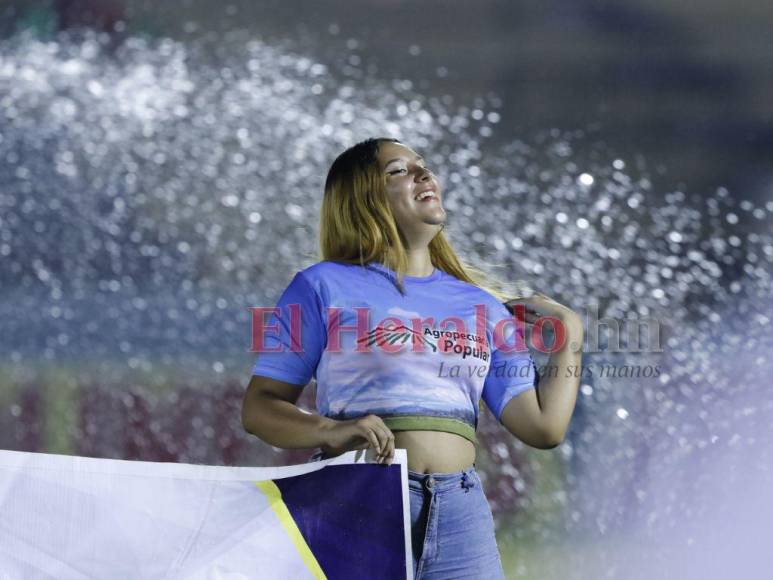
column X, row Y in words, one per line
column 380, row 379
column 413, row 193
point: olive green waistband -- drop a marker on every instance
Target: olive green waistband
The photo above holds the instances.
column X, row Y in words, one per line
column 431, row 423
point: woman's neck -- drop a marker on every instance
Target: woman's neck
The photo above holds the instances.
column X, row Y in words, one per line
column 419, row 263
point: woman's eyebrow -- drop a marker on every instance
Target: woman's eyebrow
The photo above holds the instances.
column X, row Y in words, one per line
column 417, row 158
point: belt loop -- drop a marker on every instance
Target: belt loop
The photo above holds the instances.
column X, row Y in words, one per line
column 467, row 483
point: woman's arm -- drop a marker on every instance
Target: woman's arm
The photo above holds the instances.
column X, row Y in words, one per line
column 541, row 417
column 269, row 412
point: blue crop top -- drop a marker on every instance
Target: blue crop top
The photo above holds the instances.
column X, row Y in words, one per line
column 419, row 361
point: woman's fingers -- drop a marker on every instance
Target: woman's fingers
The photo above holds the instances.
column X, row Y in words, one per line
column 373, row 438
column 388, row 449
column 377, row 436
column 531, row 318
column 528, row 314
column 383, row 434
column 382, row 442
column 391, row 454
column 531, row 309
column 384, row 447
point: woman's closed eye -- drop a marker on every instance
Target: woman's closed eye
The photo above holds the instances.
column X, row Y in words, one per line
column 403, row 169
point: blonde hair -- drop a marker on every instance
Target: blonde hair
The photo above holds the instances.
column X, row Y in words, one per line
column 357, row 225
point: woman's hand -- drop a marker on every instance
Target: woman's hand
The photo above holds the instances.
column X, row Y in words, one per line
column 360, row 433
column 540, row 305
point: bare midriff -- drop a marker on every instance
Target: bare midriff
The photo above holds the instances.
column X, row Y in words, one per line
column 435, row 451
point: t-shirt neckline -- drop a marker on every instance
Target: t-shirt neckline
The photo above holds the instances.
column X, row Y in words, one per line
column 436, row 273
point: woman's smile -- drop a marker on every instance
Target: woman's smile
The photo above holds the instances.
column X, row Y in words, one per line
column 414, row 192
column 427, row 195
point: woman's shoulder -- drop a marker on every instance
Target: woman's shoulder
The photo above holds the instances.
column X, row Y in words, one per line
column 326, row 275
column 328, row 269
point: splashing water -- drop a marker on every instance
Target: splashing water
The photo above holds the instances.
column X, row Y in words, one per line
column 150, row 195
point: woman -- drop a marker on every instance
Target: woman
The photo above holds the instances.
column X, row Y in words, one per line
column 414, row 380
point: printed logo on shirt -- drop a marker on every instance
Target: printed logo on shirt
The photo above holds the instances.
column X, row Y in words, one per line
column 392, row 339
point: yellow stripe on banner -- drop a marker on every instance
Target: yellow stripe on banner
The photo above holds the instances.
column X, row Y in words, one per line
column 274, row 496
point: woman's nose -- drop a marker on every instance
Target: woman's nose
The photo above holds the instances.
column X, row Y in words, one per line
column 424, row 174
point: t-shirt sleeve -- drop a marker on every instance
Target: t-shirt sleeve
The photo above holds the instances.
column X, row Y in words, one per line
column 297, row 331
column 510, row 373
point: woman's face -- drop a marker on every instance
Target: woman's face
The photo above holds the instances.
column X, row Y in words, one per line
column 407, row 179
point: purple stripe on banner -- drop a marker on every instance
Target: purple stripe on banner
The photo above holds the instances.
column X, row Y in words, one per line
column 352, row 519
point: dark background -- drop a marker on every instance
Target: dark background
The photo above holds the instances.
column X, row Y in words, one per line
column 685, row 86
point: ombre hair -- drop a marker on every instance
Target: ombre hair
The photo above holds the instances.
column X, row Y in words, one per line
column 357, row 225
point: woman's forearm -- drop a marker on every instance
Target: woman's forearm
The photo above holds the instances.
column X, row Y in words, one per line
column 557, row 391
column 282, row 424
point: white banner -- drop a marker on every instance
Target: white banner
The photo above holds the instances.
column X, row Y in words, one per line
column 77, row 518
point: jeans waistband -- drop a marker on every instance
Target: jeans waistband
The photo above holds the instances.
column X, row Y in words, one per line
column 441, row 481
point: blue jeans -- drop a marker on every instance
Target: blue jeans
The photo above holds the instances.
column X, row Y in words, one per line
column 452, row 528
